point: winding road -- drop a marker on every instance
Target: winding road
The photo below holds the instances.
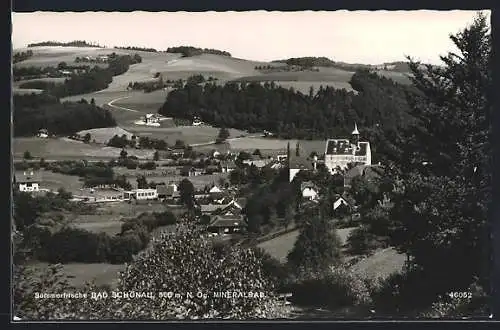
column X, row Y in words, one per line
column 110, row 104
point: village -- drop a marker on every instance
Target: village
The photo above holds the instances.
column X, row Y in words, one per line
column 218, row 199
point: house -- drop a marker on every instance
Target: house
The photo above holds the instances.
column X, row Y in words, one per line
column 341, row 206
column 232, row 208
column 28, row 182
column 210, row 208
column 340, row 152
column 197, row 121
column 227, row 224
column 257, row 161
column 298, row 163
column 227, row 166
column 141, row 194
column 43, row 133
column 167, row 191
column 215, row 190
column 309, row 191
column 151, row 119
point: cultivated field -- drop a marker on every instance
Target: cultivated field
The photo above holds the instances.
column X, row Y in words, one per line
column 57, row 149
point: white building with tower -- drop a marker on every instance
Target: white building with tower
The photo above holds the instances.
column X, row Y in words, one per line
column 340, row 152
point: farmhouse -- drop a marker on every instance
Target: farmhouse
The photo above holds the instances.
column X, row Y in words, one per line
column 28, row 182
column 151, row 119
column 340, row 152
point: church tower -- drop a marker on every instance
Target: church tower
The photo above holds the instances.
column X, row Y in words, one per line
column 355, row 134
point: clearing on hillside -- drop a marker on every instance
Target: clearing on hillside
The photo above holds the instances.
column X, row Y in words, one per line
column 103, row 135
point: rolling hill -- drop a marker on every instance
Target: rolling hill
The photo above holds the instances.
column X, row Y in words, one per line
column 173, row 66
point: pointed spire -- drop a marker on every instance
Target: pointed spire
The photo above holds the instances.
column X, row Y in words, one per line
column 355, row 132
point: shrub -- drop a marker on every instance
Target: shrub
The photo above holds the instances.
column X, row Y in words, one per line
column 123, row 247
column 335, row 289
column 362, row 241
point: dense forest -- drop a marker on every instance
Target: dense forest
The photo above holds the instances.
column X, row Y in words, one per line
column 34, row 112
column 21, row 56
column 379, row 108
column 75, row 43
column 92, row 80
column 188, row 51
column 142, row 49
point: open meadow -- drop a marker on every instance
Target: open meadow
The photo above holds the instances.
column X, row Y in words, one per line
column 272, row 146
column 59, row 149
column 280, row 246
column 199, row 181
column 78, row 274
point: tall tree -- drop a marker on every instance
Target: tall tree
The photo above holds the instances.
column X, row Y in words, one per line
column 186, row 192
column 441, row 202
column 317, row 248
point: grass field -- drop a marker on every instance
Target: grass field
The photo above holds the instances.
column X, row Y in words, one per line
column 381, row 264
column 188, row 134
column 279, row 145
column 24, row 91
column 68, row 149
column 199, row 181
column 79, row 273
column 282, row 245
column 103, row 135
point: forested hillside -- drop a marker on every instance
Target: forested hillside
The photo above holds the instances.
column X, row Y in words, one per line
column 33, row 112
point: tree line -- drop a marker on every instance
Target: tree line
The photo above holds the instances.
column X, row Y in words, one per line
column 75, row 43
column 142, row 49
column 21, row 56
column 188, row 51
column 34, row 112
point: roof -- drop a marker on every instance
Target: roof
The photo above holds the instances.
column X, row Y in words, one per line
column 227, row 221
column 344, row 147
column 301, row 162
column 208, row 208
column 28, row 177
column 355, row 132
column 308, row 184
column 242, row 201
column 369, row 171
column 215, row 189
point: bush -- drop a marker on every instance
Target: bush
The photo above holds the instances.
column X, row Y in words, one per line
column 362, row 241
column 336, row 289
column 123, row 247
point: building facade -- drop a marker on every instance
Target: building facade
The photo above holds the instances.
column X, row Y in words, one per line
column 340, row 152
column 28, row 182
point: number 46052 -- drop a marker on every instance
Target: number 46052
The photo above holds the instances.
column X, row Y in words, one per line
column 460, row 295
